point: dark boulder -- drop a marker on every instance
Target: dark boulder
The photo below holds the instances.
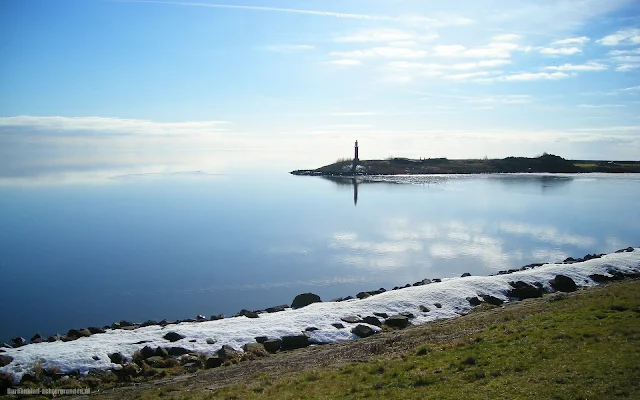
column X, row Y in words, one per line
column 247, row 313
column 437, row 305
column 94, row 330
column 563, row 283
column 294, row 342
column 161, row 352
column 148, row 322
column 213, row 362
column 523, row 290
column 601, row 278
column 465, row 275
column 381, row 314
column 310, row 329
column 18, row 342
column 351, row 319
column 372, row 321
column 627, row 250
column 117, row 358
column 6, row 346
column 304, row 299
column 419, row 283
column 348, row 298
column 336, row 300
column 279, row 308
column 173, row 336
column 363, row 331
column 54, row 338
column 436, row 280
column 217, row 317
column 210, row 341
column 494, row 301
column 200, row 318
column 363, row 295
column 35, row 337
column 474, row 301
column 147, row 352
column 227, row 351
column 569, row 260
column 397, row 321
column 78, row 333
column 156, row 361
column 408, row 314
column 423, row 308
column 338, row 325
column 272, row 345
column 177, row 351
column 256, row 348
column 261, row 339
column 5, row 360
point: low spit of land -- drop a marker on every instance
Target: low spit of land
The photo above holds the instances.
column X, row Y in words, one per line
column 398, row 166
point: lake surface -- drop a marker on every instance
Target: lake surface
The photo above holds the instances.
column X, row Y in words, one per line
column 154, row 246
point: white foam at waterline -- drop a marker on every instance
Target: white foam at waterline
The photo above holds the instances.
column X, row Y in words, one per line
column 451, row 293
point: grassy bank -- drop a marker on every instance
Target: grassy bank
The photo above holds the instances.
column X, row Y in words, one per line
column 578, row 346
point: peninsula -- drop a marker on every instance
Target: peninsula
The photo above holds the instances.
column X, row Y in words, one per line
column 403, row 166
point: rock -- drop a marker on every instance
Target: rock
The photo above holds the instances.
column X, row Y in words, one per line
column 200, row 318
column 177, row 351
column 569, row 260
column 272, row 345
column 408, row 314
column 210, row 341
column 161, row 352
column 6, row 382
column 419, row 283
column 94, row 330
column 436, row 280
column 190, row 361
column 372, row 321
column 351, row 319
column 336, row 300
column 348, row 298
column 563, row 283
column 147, row 352
column 193, row 340
column 37, row 341
column 304, row 299
column 18, row 342
column 338, row 325
column 523, row 290
column 148, row 322
column 117, row 358
column 226, row 351
column 363, row 331
column 294, row 342
column 66, row 338
column 54, row 338
column 5, row 360
column 474, row 301
column 601, row 278
column 156, row 362
column 173, row 336
column 381, row 314
column 426, row 281
column 279, row 308
column 363, row 295
column 213, row 362
column 487, row 298
column 397, row 321
column 423, row 308
column 217, row 317
column 437, row 305
column 465, row 275
column 6, row 346
column 35, row 337
column 95, row 358
column 131, row 369
column 261, row 339
column 247, row 313
column 257, row 348
column 311, row 329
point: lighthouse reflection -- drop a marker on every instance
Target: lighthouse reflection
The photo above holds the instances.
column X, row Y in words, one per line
column 344, row 182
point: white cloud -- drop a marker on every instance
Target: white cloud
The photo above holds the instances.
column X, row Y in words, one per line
column 353, row 114
column 289, row 48
column 527, row 76
column 621, row 37
column 589, row 66
column 572, row 41
column 385, row 35
column 386, row 52
column 627, row 67
column 506, row 37
column 495, row 49
column 346, row 62
column 624, row 52
column 113, row 125
column 630, row 89
column 565, row 51
column 601, row 105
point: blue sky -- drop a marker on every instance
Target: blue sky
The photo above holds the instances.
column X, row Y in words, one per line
column 291, row 84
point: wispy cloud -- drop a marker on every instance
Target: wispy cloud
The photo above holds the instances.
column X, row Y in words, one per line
column 601, row 105
column 346, row 62
column 589, row 66
column 571, row 41
column 385, row 35
column 270, row 9
column 385, row 52
column 565, row 51
column 621, row 37
column 527, row 76
column 112, row 125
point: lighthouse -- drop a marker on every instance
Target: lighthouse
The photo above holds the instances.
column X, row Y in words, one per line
column 356, row 152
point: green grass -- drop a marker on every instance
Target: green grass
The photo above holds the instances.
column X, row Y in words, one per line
column 581, row 346
column 584, row 347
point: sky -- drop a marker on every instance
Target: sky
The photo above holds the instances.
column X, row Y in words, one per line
column 95, row 87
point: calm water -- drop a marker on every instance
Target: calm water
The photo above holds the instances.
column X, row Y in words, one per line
column 141, row 247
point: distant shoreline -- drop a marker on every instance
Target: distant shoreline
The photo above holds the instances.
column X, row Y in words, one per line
column 404, row 166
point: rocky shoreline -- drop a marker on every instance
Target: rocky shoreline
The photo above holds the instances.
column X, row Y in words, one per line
column 358, row 325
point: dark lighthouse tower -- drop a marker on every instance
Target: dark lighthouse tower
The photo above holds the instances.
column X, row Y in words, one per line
column 356, row 151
